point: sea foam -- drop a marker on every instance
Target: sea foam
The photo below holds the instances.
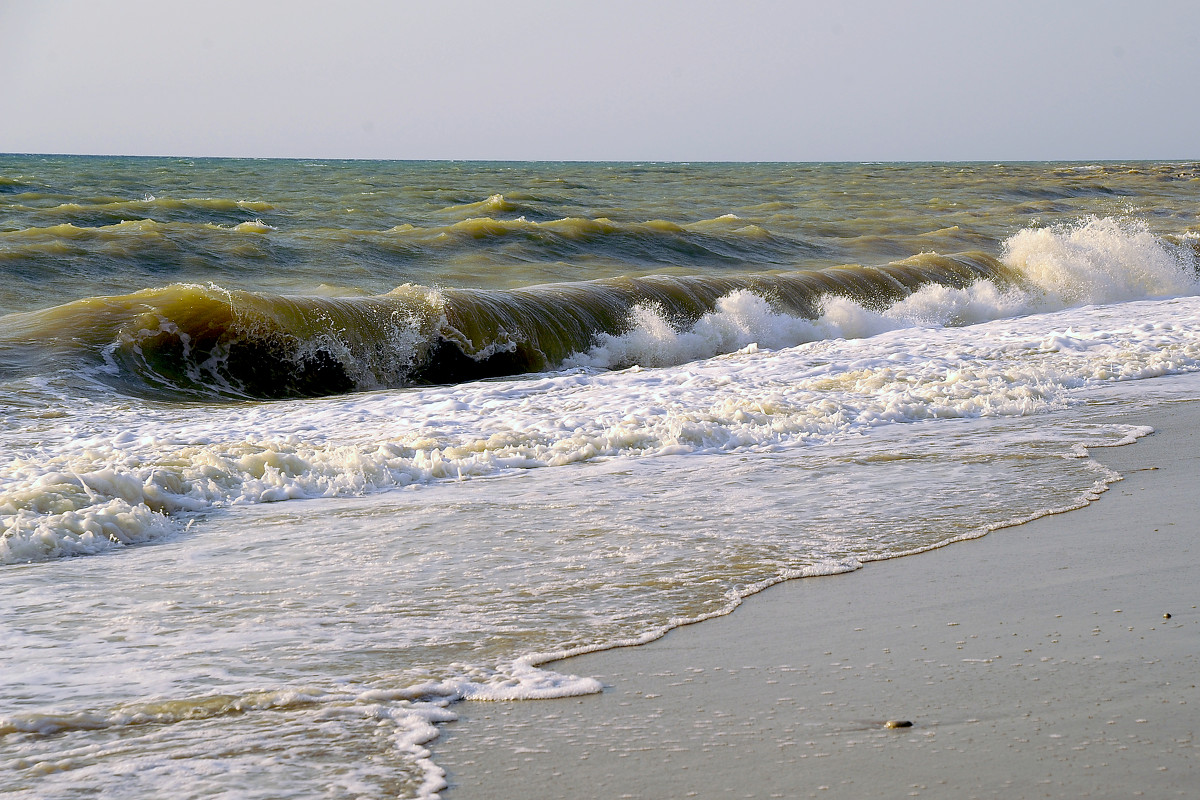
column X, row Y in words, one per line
column 733, row 380
column 1097, row 260
column 1101, row 260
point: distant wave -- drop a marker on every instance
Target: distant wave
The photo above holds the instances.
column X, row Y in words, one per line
column 130, row 229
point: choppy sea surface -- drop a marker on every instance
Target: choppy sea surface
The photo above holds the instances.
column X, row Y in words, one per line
column 295, row 456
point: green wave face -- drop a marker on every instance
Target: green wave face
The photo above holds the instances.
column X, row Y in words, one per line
column 189, row 340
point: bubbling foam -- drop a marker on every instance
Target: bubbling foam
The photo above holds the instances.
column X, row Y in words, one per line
column 1100, row 260
column 79, row 497
column 1096, row 260
column 741, row 320
column 142, row 472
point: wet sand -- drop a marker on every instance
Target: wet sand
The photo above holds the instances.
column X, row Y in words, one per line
column 1035, row 662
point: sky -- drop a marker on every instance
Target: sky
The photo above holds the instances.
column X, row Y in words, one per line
column 676, row 80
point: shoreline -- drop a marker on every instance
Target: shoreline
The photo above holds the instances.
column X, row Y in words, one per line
column 1033, row 662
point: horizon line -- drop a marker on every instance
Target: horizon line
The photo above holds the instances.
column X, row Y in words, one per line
column 863, row 161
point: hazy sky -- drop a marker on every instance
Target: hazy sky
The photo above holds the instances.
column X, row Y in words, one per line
column 673, row 80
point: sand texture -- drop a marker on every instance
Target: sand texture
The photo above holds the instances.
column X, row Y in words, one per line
column 1035, row 662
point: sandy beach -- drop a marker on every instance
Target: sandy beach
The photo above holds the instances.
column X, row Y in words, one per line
column 1038, row 661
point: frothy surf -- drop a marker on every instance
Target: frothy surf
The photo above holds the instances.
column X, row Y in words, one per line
column 117, row 487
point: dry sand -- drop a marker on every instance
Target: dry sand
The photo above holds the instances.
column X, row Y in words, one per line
column 1035, row 662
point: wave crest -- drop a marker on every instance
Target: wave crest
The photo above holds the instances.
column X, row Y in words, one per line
column 206, row 341
column 1100, row 260
column 189, row 340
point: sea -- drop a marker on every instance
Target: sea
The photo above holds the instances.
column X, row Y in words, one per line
column 297, row 456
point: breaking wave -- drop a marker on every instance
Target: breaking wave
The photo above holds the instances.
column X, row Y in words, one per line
column 202, row 341
column 188, row 340
column 110, row 488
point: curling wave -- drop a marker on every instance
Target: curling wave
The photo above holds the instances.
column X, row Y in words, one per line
column 189, row 340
